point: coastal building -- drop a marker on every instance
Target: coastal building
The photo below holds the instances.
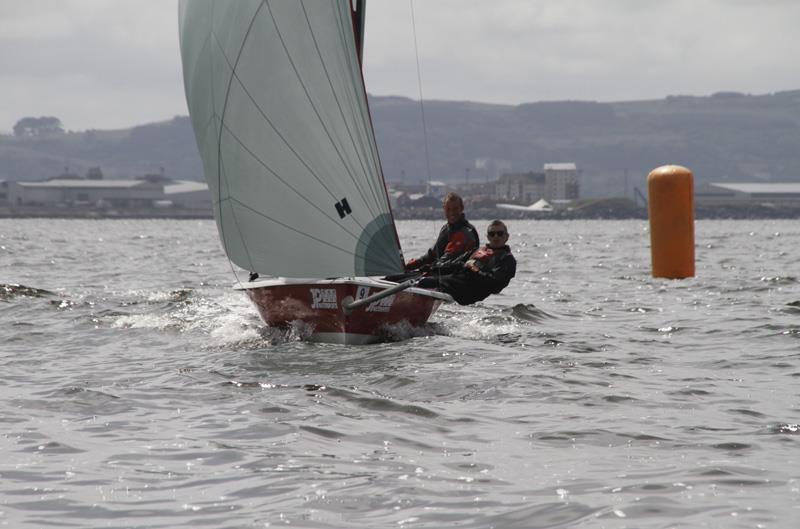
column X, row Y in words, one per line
column 438, row 189
column 119, row 194
column 396, row 198
column 3, row 192
column 434, row 188
column 63, row 192
column 525, row 188
column 561, row 181
column 422, row 200
column 748, row 192
column 558, row 181
column 188, row 194
column 476, row 190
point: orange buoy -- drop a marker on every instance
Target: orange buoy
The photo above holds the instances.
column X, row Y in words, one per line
column 670, row 189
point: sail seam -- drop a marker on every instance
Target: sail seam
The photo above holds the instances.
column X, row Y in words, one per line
column 368, row 147
column 285, row 142
column 341, row 111
column 222, row 119
column 277, row 134
column 316, row 111
column 241, row 84
column 265, row 166
column 308, row 235
column 372, row 147
column 276, row 175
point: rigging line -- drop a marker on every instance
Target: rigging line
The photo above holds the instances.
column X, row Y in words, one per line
column 313, row 106
column 308, row 235
column 338, row 103
column 367, row 143
column 421, row 99
column 357, row 134
column 224, row 110
column 359, row 105
column 276, row 175
column 421, row 103
column 347, row 97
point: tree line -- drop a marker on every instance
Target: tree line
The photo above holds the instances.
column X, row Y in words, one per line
column 41, row 126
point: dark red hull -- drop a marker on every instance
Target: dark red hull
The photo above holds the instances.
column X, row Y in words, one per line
column 318, row 304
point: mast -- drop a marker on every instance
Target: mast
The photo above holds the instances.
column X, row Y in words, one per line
column 359, row 17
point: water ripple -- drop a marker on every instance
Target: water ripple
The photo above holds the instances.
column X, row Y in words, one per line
column 583, row 396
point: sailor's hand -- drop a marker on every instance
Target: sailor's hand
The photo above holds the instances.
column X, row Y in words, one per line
column 412, row 264
column 471, row 266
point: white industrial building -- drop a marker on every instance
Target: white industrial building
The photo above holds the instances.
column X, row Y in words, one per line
column 520, row 187
column 188, row 194
column 101, row 193
column 739, row 193
column 80, row 192
column 561, row 181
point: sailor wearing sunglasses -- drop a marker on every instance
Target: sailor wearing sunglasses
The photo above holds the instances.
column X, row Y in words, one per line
column 486, row 271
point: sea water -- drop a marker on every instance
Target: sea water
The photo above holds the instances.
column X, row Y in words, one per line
column 139, row 390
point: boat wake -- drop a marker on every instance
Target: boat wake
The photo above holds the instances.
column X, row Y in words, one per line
column 403, row 330
column 529, row 312
column 225, row 318
column 488, row 324
column 9, row 291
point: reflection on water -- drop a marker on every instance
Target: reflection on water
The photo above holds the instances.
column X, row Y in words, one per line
column 138, row 389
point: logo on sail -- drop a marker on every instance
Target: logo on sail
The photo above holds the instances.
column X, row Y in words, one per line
column 323, row 298
column 382, row 305
column 343, row 208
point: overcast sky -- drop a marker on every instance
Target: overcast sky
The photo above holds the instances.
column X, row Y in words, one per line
column 115, row 63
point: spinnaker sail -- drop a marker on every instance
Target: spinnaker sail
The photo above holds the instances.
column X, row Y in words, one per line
column 279, row 110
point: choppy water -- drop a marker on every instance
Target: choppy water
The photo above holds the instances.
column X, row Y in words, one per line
column 138, row 390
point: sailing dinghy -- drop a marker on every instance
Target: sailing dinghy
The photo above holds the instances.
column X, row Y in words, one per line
column 279, row 110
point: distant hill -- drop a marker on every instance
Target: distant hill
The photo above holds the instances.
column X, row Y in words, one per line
column 723, row 137
column 119, row 153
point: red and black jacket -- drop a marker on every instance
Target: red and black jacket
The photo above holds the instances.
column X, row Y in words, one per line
column 495, row 268
column 454, row 241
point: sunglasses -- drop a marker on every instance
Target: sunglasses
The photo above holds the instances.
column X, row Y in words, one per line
column 496, row 233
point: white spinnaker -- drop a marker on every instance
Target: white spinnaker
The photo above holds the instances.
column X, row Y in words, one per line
column 279, row 110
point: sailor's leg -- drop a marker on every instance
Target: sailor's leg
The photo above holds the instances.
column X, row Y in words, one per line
column 399, row 278
column 430, row 282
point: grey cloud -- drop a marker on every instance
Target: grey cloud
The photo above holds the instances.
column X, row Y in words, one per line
column 65, row 52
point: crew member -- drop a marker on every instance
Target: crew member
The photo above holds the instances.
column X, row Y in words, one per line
column 456, row 238
column 488, row 270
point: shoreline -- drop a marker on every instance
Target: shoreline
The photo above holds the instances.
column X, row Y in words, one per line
column 600, row 210
column 43, row 212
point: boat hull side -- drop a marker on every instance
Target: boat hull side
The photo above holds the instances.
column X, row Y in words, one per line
column 319, row 306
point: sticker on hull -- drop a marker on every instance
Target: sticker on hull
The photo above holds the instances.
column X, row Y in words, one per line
column 323, row 298
column 382, row 305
